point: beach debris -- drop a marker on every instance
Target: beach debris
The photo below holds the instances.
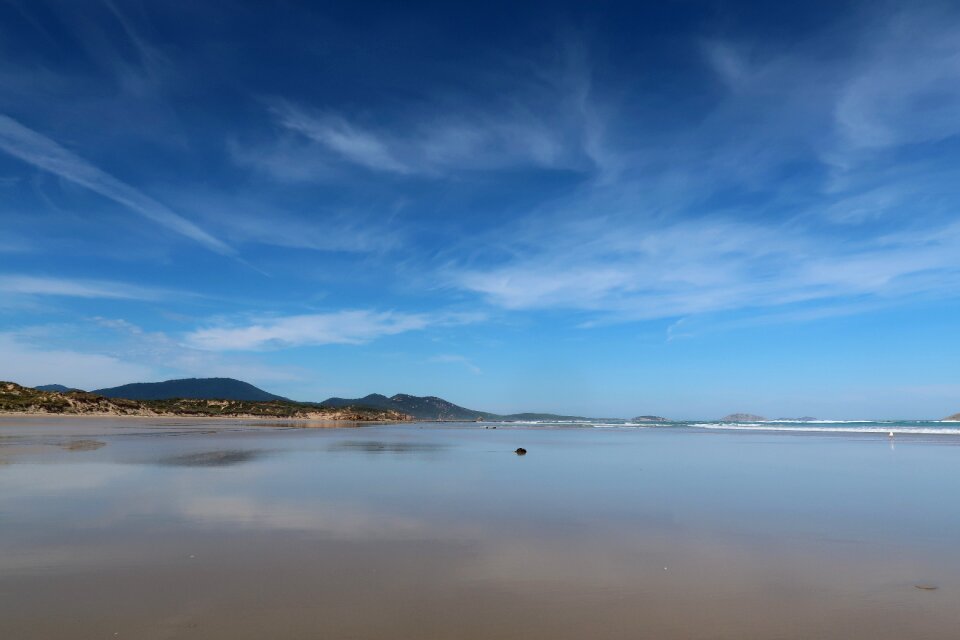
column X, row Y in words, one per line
column 521, row 451
column 926, row 587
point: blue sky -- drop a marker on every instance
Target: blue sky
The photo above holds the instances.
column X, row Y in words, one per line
column 678, row 208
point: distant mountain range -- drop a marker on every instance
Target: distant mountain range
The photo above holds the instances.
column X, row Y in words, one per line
column 55, row 387
column 419, row 407
column 190, row 389
column 434, row 408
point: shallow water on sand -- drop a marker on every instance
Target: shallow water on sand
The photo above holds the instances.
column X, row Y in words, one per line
column 228, row 529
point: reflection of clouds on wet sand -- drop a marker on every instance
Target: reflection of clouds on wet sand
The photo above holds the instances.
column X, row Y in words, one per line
column 23, row 447
column 25, row 481
column 376, row 446
column 212, row 458
column 335, row 519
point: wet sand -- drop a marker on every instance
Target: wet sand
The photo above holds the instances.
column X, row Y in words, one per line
column 230, row 529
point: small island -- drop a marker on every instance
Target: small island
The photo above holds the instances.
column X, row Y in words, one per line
column 742, row 417
column 649, row 419
column 954, row 418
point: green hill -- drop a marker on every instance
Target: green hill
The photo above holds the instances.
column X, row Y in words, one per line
column 55, row 387
column 423, row 408
column 190, row 388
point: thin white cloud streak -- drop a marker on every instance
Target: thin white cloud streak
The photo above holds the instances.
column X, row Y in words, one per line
column 41, row 286
column 433, row 146
column 626, row 272
column 43, row 153
column 342, row 327
column 453, row 358
column 541, row 114
column 341, row 137
column 250, row 218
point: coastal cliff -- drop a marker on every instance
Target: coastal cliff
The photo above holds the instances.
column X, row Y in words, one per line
column 17, row 399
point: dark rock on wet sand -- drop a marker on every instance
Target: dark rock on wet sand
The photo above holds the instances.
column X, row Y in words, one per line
column 521, row 451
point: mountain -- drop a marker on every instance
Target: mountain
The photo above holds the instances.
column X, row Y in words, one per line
column 17, row 399
column 424, row 408
column 375, row 400
column 434, row 408
column 56, row 387
column 955, row 417
column 191, row 388
column 742, row 417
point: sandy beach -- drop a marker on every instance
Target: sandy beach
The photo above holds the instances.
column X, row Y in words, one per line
column 218, row 529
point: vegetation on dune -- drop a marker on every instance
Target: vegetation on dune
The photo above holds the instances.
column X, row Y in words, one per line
column 15, row 398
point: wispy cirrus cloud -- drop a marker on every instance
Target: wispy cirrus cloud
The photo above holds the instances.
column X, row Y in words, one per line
column 77, row 288
column 251, row 217
column 906, row 90
column 454, row 358
column 430, row 145
column 340, row 327
column 628, row 271
column 539, row 115
column 356, row 145
column 667, row 239
column 43, row 153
